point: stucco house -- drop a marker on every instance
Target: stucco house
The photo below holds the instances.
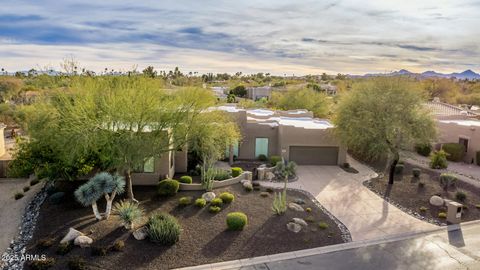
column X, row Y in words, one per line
column 256, row 93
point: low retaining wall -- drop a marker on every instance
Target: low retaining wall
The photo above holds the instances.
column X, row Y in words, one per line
column 218, row 184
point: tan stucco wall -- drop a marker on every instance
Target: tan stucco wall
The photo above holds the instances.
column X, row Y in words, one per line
column 162, row 168
column 181, row 161
column 450, row 133
column 253, row 131
column 2, row 140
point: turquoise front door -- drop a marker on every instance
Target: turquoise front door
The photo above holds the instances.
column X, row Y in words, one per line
column 261, row 147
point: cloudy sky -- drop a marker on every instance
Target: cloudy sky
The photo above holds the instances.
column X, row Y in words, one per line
column 277, row 36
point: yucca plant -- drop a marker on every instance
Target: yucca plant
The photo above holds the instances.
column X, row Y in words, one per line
column 129, row 212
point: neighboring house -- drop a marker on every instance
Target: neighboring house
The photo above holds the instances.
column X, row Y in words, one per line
column 256, row 93
column 329, row 89
column 219, row 91
column 295, row 135
column 455, row 125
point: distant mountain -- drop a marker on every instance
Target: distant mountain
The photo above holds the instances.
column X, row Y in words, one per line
column 467, row 74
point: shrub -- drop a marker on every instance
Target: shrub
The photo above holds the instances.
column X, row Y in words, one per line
column 279, row 205
column 168, row 187
column 262, row 157
column 308, row 209
column 274, row 160
column 264, row 194
column 26, row 188
column 248, row 188
column 310, row 219
column 217, row 202
column 77, row 263
column 64, row 248
column 236, row 171
column 423, row 209
column 438, row 160
column 56, row 198
column 416, row 172
column 185, row 179
column 442, row 215
column 236, row 221
column 42, row 264
column 421, row 184
column 128, row 212
column 447, row 180
column 461, row 196
column 163, row 228
column 227, row 197
column 323, row 225
column 200, row 202
column 214, row 209
column 18, row 195
column 423, row 149
column 399, row 169
column 477, row 206
column 346, row 165
column 33, row 182
column 184, row 201
column 220, row 174
column 46, row 242
column 455, row 151
column 98, row 251
column 119, row 245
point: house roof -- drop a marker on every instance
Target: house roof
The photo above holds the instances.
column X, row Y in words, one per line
column 468, row 122
column 444, row 109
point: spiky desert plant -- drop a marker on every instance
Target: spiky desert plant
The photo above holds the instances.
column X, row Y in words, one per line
column 129, row 212
column 279, row 205
column 88, row 194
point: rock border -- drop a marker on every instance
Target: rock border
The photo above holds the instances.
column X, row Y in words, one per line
column 17, row 249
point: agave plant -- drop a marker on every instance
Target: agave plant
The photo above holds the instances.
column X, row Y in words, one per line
column 129, row 212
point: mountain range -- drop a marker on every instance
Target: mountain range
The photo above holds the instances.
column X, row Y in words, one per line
column 465, row 75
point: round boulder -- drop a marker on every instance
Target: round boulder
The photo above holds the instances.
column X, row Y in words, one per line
column 294, row 227
column 209, row 196
column 83, row 241
column 436, row 200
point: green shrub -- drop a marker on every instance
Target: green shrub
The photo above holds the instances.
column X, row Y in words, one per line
column 262, row 157
column 163, row 228
column 248, row 188
column 423, row 209
column 214, row 209
column 98, row 251
column 33, row 182
column 77, row 263
column 236, row 171
column 26, row 188
column 423, row 149
column 168, row 187
column 455, row 151
column 56, row 198
column 323, row 225
column 442, row 215
column 46, row 242
column 461, row 196
column 438, row 160
column 64, row 248
column 128, row 212
column 264, row 194
column 42, row 264
column 221, row 175
column 119, row 245
column 399, row 168
column 185, row 179
column 184, row 201
column 477, row 206
column 308, row 209
column 416, row 172
column 18, row 195
column 227, row 197
column 217, row 202
column 236, row 221
column 447, row 180
column 310, row 219
column 200, row 202
column 274, row 160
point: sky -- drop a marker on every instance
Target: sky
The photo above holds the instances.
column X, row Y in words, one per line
column 275, row 36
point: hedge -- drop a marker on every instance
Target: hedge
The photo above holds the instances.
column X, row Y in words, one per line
column 455, row 151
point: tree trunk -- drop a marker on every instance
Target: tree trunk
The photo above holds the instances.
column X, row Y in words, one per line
column 109, row 199
column 230, row 155
column 128, row 179
column 391, row 174
column 95, row 211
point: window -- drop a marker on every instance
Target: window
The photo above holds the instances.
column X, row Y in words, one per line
column 463, row 141
column 149, row 165
column 235, row 150
column 261, row 147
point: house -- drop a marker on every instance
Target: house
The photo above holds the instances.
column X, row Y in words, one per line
column 219, row 91
column 456, row 125
column 295, row 135
column 256, row 93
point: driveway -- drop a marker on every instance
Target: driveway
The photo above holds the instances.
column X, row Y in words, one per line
column 365, row 214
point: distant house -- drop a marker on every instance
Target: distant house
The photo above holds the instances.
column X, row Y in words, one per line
column 219, row 91
column 329, row 89
column 256, row 93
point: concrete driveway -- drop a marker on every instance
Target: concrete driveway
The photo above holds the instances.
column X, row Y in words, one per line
column 365, row 214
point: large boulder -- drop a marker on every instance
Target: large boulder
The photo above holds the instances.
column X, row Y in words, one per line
column 295, row 207
column 140, row 233
column 300, row 222
column 269, row 176
column 83, row 241
column 436, row 200
column 299, row 201
column 248, row 185
column 209, row 196
column 294, row 227
column 71, row 235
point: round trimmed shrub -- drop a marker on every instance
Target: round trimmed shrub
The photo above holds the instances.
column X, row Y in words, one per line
column 185, row 179
column 438, row 160
column 18, row 195
column 33, row 182
column 274, row 160
column 262, row 157
column 416, row 172
column 236, row 221
column 163, row 228
column 119, row 245
column 227, row 197
column 184, row 201
column 461, row 196
column 323, row 225
column 442, row 215
column 236, row 171
column 217, row 202
column 399, row 168
column 26, row 188
column 200, row 202
column 56, row 198
column 423, row 149
column 167, row 187
column 214, row 209
column 455, row 151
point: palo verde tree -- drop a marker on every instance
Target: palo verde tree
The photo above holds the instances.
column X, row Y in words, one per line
column 102, row 184
column 380, row 116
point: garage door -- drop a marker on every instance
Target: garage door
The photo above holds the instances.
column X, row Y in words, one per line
column 314, row 155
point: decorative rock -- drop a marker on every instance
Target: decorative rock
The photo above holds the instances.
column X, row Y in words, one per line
column 83, row 241
column 295, row 207
column 436, row 200
column 294, row 227
column 71, row 235
column 209, row 196
column 140, row 233
column 248, row 185
column 269, row 176
column 300, row 222
column 299, row 201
